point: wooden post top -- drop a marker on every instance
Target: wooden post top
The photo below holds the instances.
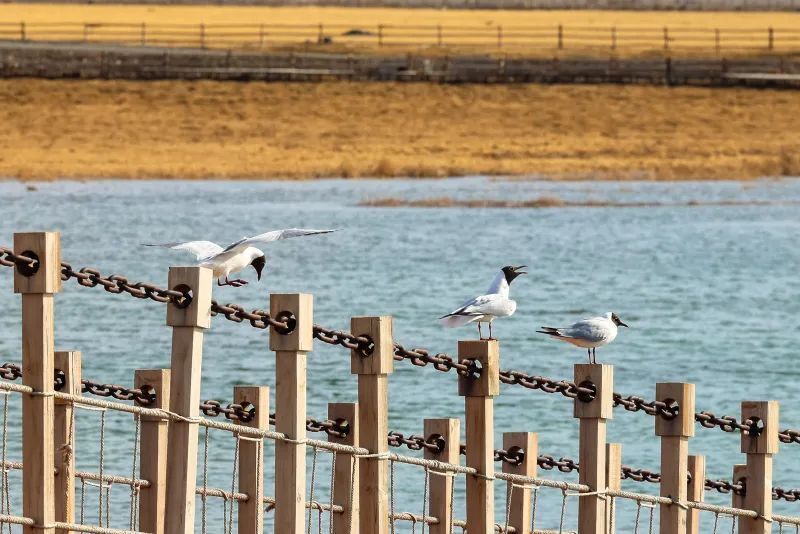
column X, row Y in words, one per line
column 450, row 431
column 487, row 353
column 69, row 362
column 158, row 381
column 528, row 444
column 301, row 306
column 380, row 331
column 347, row 411
column 683, row 395
column 602, row 376
column 767, row 413
column 45, row 276
column 198, row 313
column 258, row 397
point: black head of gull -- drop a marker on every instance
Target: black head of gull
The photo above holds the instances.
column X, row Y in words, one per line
column 617, row 321
column 512, row 272
column 258, row 264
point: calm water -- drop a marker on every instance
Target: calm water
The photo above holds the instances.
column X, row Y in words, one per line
column 710, row 293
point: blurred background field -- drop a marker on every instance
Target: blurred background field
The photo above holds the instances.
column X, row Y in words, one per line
column 205, row 129
column 389, row 30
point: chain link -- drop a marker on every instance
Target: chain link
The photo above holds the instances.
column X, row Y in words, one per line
column 232, row 412
column 144, row 396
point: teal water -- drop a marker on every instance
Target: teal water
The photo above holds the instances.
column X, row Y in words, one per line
column 710, row 293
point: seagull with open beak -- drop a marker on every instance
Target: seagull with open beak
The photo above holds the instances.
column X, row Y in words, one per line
column 486, row 308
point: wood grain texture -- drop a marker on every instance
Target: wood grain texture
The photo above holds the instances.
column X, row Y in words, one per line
column 440, row 496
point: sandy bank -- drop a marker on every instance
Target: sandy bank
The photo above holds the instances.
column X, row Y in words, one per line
column 91, row 129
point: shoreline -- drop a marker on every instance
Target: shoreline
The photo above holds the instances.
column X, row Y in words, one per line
column 88, row 130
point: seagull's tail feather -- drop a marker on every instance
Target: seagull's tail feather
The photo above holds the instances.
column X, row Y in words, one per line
column 454, row 321
column 550, row 331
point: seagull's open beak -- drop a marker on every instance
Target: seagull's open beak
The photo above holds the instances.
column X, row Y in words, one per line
column 623, row 324
column 517, row 269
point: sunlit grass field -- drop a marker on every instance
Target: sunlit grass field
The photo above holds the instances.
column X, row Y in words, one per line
column 388, row 30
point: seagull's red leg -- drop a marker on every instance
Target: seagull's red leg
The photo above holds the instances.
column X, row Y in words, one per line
column 480, row 333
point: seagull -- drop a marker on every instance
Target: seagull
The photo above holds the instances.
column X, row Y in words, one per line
column 486, row 308
column 589, row 333
column 236, row 256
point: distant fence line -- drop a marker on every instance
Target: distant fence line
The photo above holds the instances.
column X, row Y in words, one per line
column 146, row 63
column 259, row 36
column 640, row 5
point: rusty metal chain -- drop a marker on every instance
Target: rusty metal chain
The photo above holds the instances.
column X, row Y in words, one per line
column 564, row 387
column 10, row 371
column 416, row 443
column 633, row 403
column 232, row 412
column 144, row 396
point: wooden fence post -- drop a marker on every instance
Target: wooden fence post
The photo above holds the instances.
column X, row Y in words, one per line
column 439, row 35
column 441, row 486
column 560, row 37
column 153, row 451
column 380, row 34
column 593, row 414
column 143, row 34
column 251, row 459
column 291, row 353
column 345, row 478
column 614, row 479
column 499, row 37
column 760, row 449
column 519, row 495
column 373, row 419
column 666, row 39
column 22, row 32
column 187, row 325
column 479, row 392
column 37, row 285
column 70, row 364
column 771, row 38
column 696, row 491
column 675, row 434
column 739, row 477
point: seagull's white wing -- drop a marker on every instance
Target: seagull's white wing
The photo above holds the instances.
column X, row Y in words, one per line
column 201, row 249
column 274, row 235
column 474, row 309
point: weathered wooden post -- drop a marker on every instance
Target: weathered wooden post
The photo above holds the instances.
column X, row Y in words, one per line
column 346, row 473
column 499, row 37
column 479, row 392
column 675, row 434
column 439, row 35
column 696, row 491
column 202, row 35
column 593, row 412
column 666, row 39
column 143, row 34
column 560, row 37
column 70, row 365
column 291, row 353
column 614, row 480
column 38, row 284
column 373, row 369
column 771, row 39
column 153, row 451
column 739, row 477
column 251, row 459
column 759, row 449
column 441, row 485
column 188, row 322
column 22, row 33
column 519, row 495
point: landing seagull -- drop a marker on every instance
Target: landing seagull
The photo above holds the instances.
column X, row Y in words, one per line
column 486, row 308
column 589, row 333
column 236, row 256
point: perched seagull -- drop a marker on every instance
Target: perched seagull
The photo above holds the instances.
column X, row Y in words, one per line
column 486, row 308
column 589, row 333
column 236, row 256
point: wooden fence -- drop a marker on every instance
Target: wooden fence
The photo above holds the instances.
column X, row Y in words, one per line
column 163, row 496
column 260, row 36
column 145, row 63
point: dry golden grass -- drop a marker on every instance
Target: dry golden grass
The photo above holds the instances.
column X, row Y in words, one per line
column 628, row 23
column 89, row 129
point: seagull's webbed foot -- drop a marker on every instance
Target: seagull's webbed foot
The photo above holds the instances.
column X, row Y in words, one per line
column 227, row 282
